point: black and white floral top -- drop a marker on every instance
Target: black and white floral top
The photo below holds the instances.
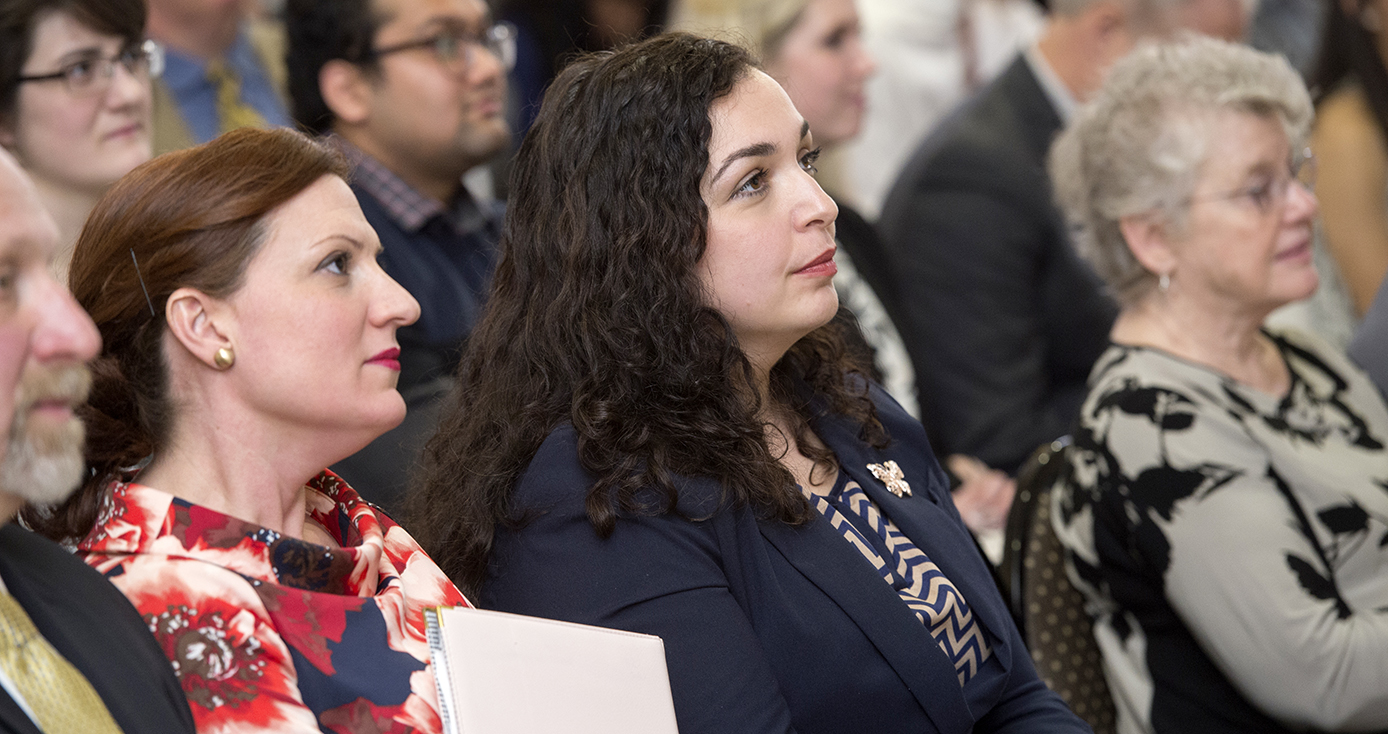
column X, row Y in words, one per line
column 1233, row 545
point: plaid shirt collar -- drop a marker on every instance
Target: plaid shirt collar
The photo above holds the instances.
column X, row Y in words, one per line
column 406, row 205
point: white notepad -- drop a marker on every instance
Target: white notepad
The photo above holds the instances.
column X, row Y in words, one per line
column 504, row 673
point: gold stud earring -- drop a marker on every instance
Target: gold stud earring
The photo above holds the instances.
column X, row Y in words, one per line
column 224, row 358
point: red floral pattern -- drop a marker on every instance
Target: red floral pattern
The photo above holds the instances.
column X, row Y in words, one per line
column 247, row 615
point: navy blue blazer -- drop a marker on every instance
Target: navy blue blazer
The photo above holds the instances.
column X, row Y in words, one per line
column 770, row 627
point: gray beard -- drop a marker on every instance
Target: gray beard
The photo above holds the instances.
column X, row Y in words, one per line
column 39, row 476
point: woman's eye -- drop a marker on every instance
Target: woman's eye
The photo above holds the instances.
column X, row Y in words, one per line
column 836, row 39
column 1261, row 195
column 337, row 264
column 81, row 71
column 752, row 185
column 808, row 160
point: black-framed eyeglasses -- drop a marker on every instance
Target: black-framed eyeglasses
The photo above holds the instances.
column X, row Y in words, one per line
column 456, row 49
column 93, row 75
column 1272, row 194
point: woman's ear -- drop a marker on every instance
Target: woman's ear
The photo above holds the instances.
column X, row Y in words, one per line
column 1147, row 238
column 195, row 320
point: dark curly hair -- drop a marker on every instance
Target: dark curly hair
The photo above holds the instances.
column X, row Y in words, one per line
column 191, row 218
column 597, row 318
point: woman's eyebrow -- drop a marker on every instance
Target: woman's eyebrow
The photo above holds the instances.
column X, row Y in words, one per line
column 80, row 54
column 753, row 150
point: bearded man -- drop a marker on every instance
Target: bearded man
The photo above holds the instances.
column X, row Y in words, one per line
column 75, row 656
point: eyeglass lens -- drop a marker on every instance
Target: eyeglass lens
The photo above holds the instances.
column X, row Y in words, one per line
column 91, row 75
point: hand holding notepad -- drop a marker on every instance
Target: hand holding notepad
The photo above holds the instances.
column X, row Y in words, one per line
column 504, row 673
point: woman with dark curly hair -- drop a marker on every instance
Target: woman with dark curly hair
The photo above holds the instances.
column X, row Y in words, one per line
column 654, row 428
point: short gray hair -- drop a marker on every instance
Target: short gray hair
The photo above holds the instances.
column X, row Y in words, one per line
column 1139, row 145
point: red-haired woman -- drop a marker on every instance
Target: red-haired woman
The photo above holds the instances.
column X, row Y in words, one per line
column 248, row 342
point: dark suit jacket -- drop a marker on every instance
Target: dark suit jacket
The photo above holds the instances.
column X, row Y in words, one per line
column 1002, row 318
column 769, row 627
column 90, row 623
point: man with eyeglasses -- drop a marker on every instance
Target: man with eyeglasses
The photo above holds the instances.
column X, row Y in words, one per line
column 75, row 656
column 223, row 70
column 414, row 92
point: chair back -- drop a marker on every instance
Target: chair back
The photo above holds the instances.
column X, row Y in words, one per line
column 1049, row 609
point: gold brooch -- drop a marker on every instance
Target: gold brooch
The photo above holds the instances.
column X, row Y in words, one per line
column 890, row 474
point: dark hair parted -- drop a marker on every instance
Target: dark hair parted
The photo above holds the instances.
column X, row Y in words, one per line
column 320, row 31
column 124, row 19
column 192, row 218
column 597, row 317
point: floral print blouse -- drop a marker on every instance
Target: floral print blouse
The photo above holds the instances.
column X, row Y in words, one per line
column 272, row 633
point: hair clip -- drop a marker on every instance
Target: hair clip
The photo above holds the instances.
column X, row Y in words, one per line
column 142, row 281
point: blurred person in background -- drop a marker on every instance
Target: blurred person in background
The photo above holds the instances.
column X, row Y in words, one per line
column 413, row 92
column 1002, row 318
column 933, row 55
column 1351, row 143
column 75, row 657
column 224, row 70
column 814, row 50
column 248, row 341
column 551, row 33
column 1224, row 511
column 75, row 101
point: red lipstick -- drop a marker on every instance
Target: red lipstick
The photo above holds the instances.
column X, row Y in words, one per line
column 822, row 266
column 389, row 358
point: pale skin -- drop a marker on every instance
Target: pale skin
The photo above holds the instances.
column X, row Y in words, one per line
column 245, row 440
column 769, row 224
column 1235, row 264
column 822, row 65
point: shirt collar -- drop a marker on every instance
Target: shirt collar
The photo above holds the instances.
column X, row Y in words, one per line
column 137, row 519
column 184, row 71
column 405, row 204
column 1059, row 95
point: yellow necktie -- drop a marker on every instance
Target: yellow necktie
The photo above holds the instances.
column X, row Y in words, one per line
column 62, row 700
column 232, row 113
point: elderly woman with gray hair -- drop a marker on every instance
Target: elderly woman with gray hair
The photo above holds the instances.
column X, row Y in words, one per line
column 1226, row 513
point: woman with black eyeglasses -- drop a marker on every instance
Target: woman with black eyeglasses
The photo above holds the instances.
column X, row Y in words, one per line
column 1226, row 512
column 75, row 100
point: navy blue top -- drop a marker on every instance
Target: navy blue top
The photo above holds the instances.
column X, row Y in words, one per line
column 770, row 627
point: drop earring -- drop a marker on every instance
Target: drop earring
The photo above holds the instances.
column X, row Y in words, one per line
column 224, row 358
column 1164, row 283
